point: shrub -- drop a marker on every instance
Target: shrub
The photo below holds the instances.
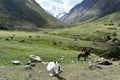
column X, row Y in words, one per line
column 114, row 39
column 107, row 38
column 113, row 52
column 118, row 24
column 114, row 34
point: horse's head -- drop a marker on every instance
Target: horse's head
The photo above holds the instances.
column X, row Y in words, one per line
column 88, row 51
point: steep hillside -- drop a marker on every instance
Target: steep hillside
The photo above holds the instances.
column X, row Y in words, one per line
column 25, row 15
column 96, row 30
column 91, row 9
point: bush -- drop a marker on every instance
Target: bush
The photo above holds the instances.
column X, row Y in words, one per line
column 114, row 34
column 3, row 27
column 107, row 38
column 113, row 52
column 114, row 39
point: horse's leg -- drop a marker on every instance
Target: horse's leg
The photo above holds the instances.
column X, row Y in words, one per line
column 85, row 58
column 78, row 57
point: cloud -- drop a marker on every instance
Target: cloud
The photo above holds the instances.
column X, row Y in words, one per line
column 57, row 7
column 65, row 4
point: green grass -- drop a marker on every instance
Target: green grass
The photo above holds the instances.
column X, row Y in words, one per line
column 92, row 30
column 42, row 45
column 52, row 45
column 72, row 71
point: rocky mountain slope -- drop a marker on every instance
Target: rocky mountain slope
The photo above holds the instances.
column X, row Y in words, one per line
column 91, row 10
column 25, row 15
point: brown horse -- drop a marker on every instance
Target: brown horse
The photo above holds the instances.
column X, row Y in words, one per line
column 84, row 54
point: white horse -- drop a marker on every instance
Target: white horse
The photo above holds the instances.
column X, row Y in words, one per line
column 53, row 68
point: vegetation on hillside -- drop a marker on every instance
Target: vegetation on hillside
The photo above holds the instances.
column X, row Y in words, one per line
column 19, row 45
column 63, row 45
column 25, row 15
column 89, row 10
column 104, row 30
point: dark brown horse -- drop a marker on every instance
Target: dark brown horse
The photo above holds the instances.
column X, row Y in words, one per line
column 84, row 54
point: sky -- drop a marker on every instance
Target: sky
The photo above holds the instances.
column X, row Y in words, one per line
column 66, row 4
column 56, row 7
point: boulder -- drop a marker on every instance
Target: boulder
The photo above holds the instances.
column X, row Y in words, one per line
column 35, row 58
column 16, row 62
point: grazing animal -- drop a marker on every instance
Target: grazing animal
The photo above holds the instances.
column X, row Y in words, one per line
column 53, row 68
column 82, row 54
column 88, row 52
column 85, row 53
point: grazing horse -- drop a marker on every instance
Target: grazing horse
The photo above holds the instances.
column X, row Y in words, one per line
column 84, row 54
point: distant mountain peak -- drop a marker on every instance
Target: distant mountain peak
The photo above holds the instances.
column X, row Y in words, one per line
column 54, row 10
column 89, row 10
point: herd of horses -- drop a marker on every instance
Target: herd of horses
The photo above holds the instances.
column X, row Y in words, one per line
column 85, row 53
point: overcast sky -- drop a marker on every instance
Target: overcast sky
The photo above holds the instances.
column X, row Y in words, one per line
column 65, row 4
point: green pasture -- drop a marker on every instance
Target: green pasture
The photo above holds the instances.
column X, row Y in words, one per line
column 49, row 47
column 39, row 44
column 91, row 30
column 72, row 71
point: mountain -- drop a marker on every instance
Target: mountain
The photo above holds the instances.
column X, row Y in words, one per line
column 53, row 9
column 25, row 15
column 89, row 10
column 60, row 15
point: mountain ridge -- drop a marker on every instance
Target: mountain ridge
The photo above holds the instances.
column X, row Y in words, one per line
column 25, row 15
column 89, row 10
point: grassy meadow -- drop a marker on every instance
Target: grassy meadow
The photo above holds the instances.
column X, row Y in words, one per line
column 32, row 31
column 90, row 30
column 52, row 45
column 49, row 47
